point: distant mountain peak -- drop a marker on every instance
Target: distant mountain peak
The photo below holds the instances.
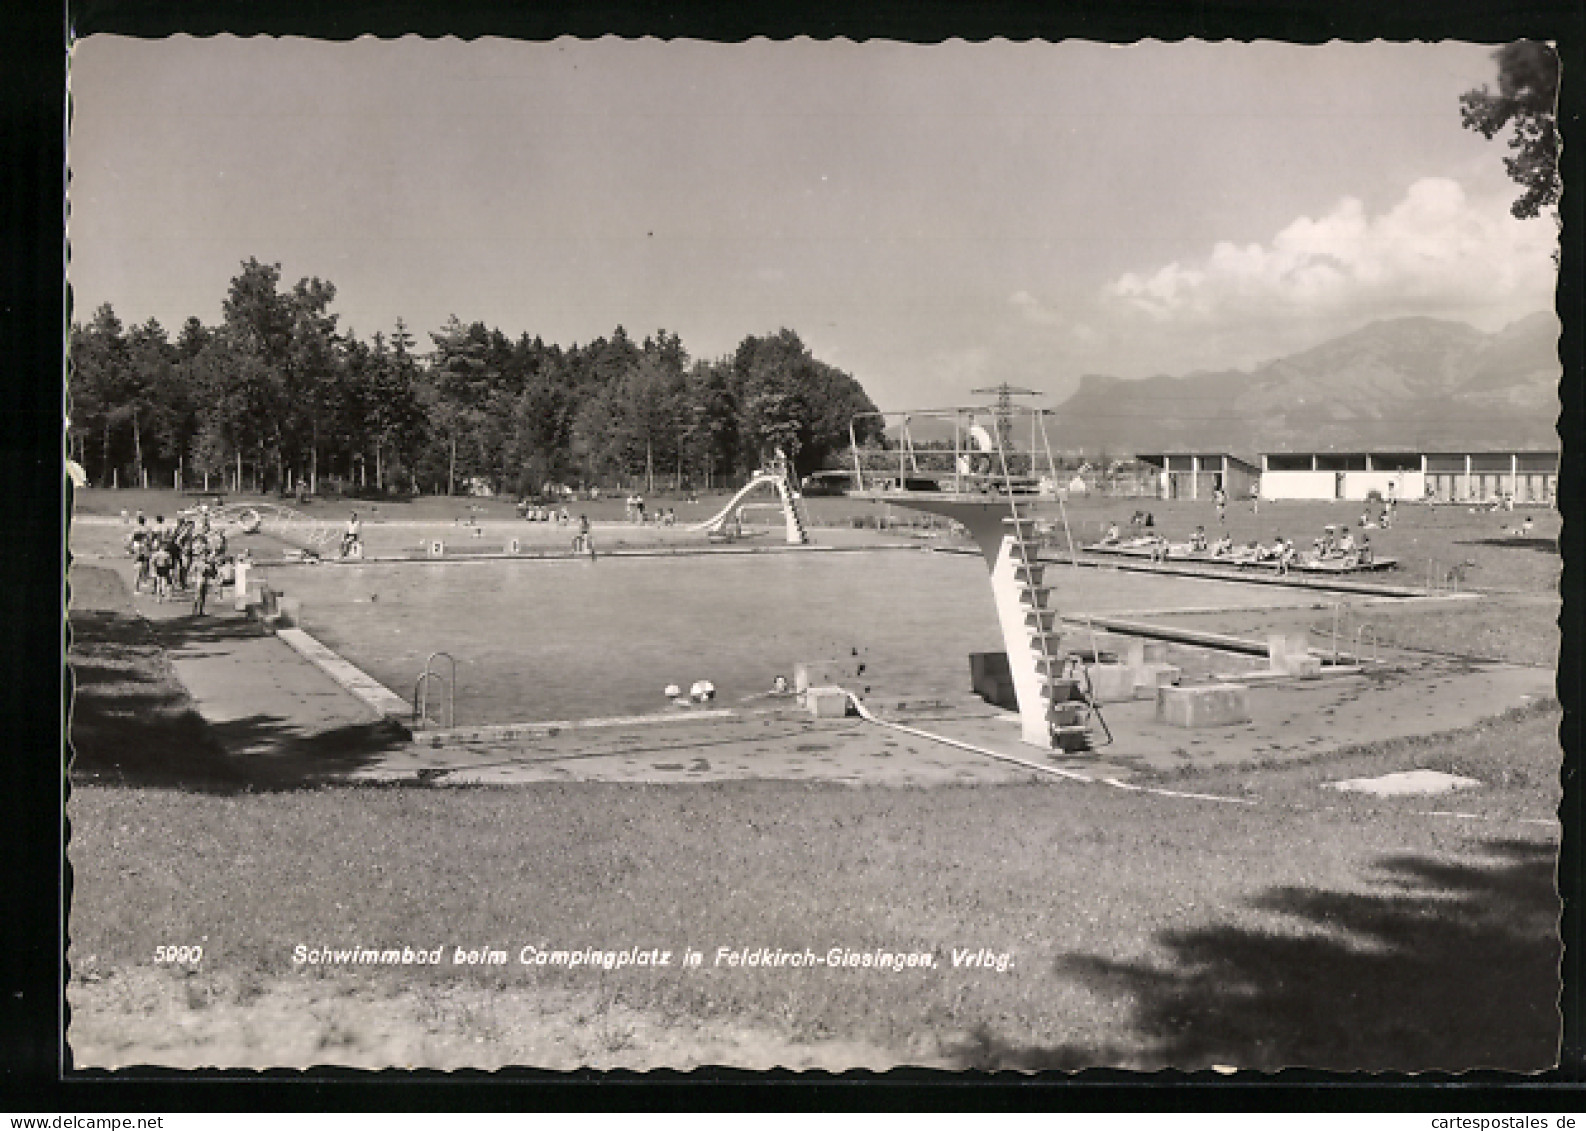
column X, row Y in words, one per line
column 1400, row 382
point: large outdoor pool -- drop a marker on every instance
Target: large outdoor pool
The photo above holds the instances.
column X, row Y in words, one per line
column 564, row 639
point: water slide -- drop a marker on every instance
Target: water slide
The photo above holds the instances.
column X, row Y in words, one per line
column 796, row 532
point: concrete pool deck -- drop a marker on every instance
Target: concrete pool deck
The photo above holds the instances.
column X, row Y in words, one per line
column 236, row 673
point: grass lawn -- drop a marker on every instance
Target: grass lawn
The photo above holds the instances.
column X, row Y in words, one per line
column 1314, row 928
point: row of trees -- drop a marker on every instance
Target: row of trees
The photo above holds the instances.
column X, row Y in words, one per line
column 275, row 396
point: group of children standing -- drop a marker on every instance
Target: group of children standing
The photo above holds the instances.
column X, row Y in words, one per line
column 189, row 555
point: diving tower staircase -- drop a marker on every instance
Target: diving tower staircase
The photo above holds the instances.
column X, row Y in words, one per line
column 1055, row 710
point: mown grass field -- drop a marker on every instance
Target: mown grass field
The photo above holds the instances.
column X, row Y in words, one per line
column 1310, row 928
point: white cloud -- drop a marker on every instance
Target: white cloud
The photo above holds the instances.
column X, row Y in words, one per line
column 1436, row 252
column 1033, row 309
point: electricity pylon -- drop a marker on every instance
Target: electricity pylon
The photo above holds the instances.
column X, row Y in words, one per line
column 1004, row 413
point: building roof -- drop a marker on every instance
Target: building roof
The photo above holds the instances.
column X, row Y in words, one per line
column 1186, row 453
column 1401, row 450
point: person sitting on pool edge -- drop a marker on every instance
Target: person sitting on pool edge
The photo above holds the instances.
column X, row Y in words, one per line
column 582, row 544
column 1286, row 554
column 1111, row 537
column 1224, row 546
column 1198, row 540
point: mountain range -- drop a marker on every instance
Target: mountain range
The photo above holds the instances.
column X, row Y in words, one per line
column 1405, row 384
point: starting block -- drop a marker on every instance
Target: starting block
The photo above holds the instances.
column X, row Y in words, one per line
column 1111, row 683
column 1150, row 676
column 826, row 702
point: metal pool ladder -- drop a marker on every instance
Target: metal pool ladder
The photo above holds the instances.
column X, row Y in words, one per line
column 421, row 690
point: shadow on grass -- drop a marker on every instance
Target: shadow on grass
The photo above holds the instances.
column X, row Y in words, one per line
column 133, row 723
column 1454, row 966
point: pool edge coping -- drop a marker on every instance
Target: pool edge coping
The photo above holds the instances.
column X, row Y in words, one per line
column 348, row 676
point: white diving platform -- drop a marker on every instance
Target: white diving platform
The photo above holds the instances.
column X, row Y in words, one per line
column 1003, row 527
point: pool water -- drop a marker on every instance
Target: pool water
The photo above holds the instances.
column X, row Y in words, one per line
column 563, row 639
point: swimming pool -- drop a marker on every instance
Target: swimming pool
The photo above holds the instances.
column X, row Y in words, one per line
column 563, row 639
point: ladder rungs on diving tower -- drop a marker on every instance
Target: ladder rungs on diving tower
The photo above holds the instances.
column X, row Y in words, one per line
column 994, row 490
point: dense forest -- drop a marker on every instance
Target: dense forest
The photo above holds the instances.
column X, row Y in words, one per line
column 276, row 397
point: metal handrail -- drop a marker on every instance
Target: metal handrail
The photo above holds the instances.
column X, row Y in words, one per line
column 421, row 696
column 421, row 689
column 1342, row 611
column 909, row 459
column 1359, row 643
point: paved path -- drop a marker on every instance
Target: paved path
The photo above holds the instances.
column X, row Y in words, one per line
column 260, row 696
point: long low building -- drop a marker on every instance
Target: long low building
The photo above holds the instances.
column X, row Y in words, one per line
column 1196, row 475
column 1530, row 477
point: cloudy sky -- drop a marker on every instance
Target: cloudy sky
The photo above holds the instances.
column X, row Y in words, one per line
column 931, row 219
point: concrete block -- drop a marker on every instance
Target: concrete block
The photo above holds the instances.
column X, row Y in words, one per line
column 240, row 585
column 1111, row 683
column 1305, row 667
column 1288, row 657
column 1149, row 677
column 992, row 679
column 1139, row 652
column 826, row 702
column 1212, row 705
